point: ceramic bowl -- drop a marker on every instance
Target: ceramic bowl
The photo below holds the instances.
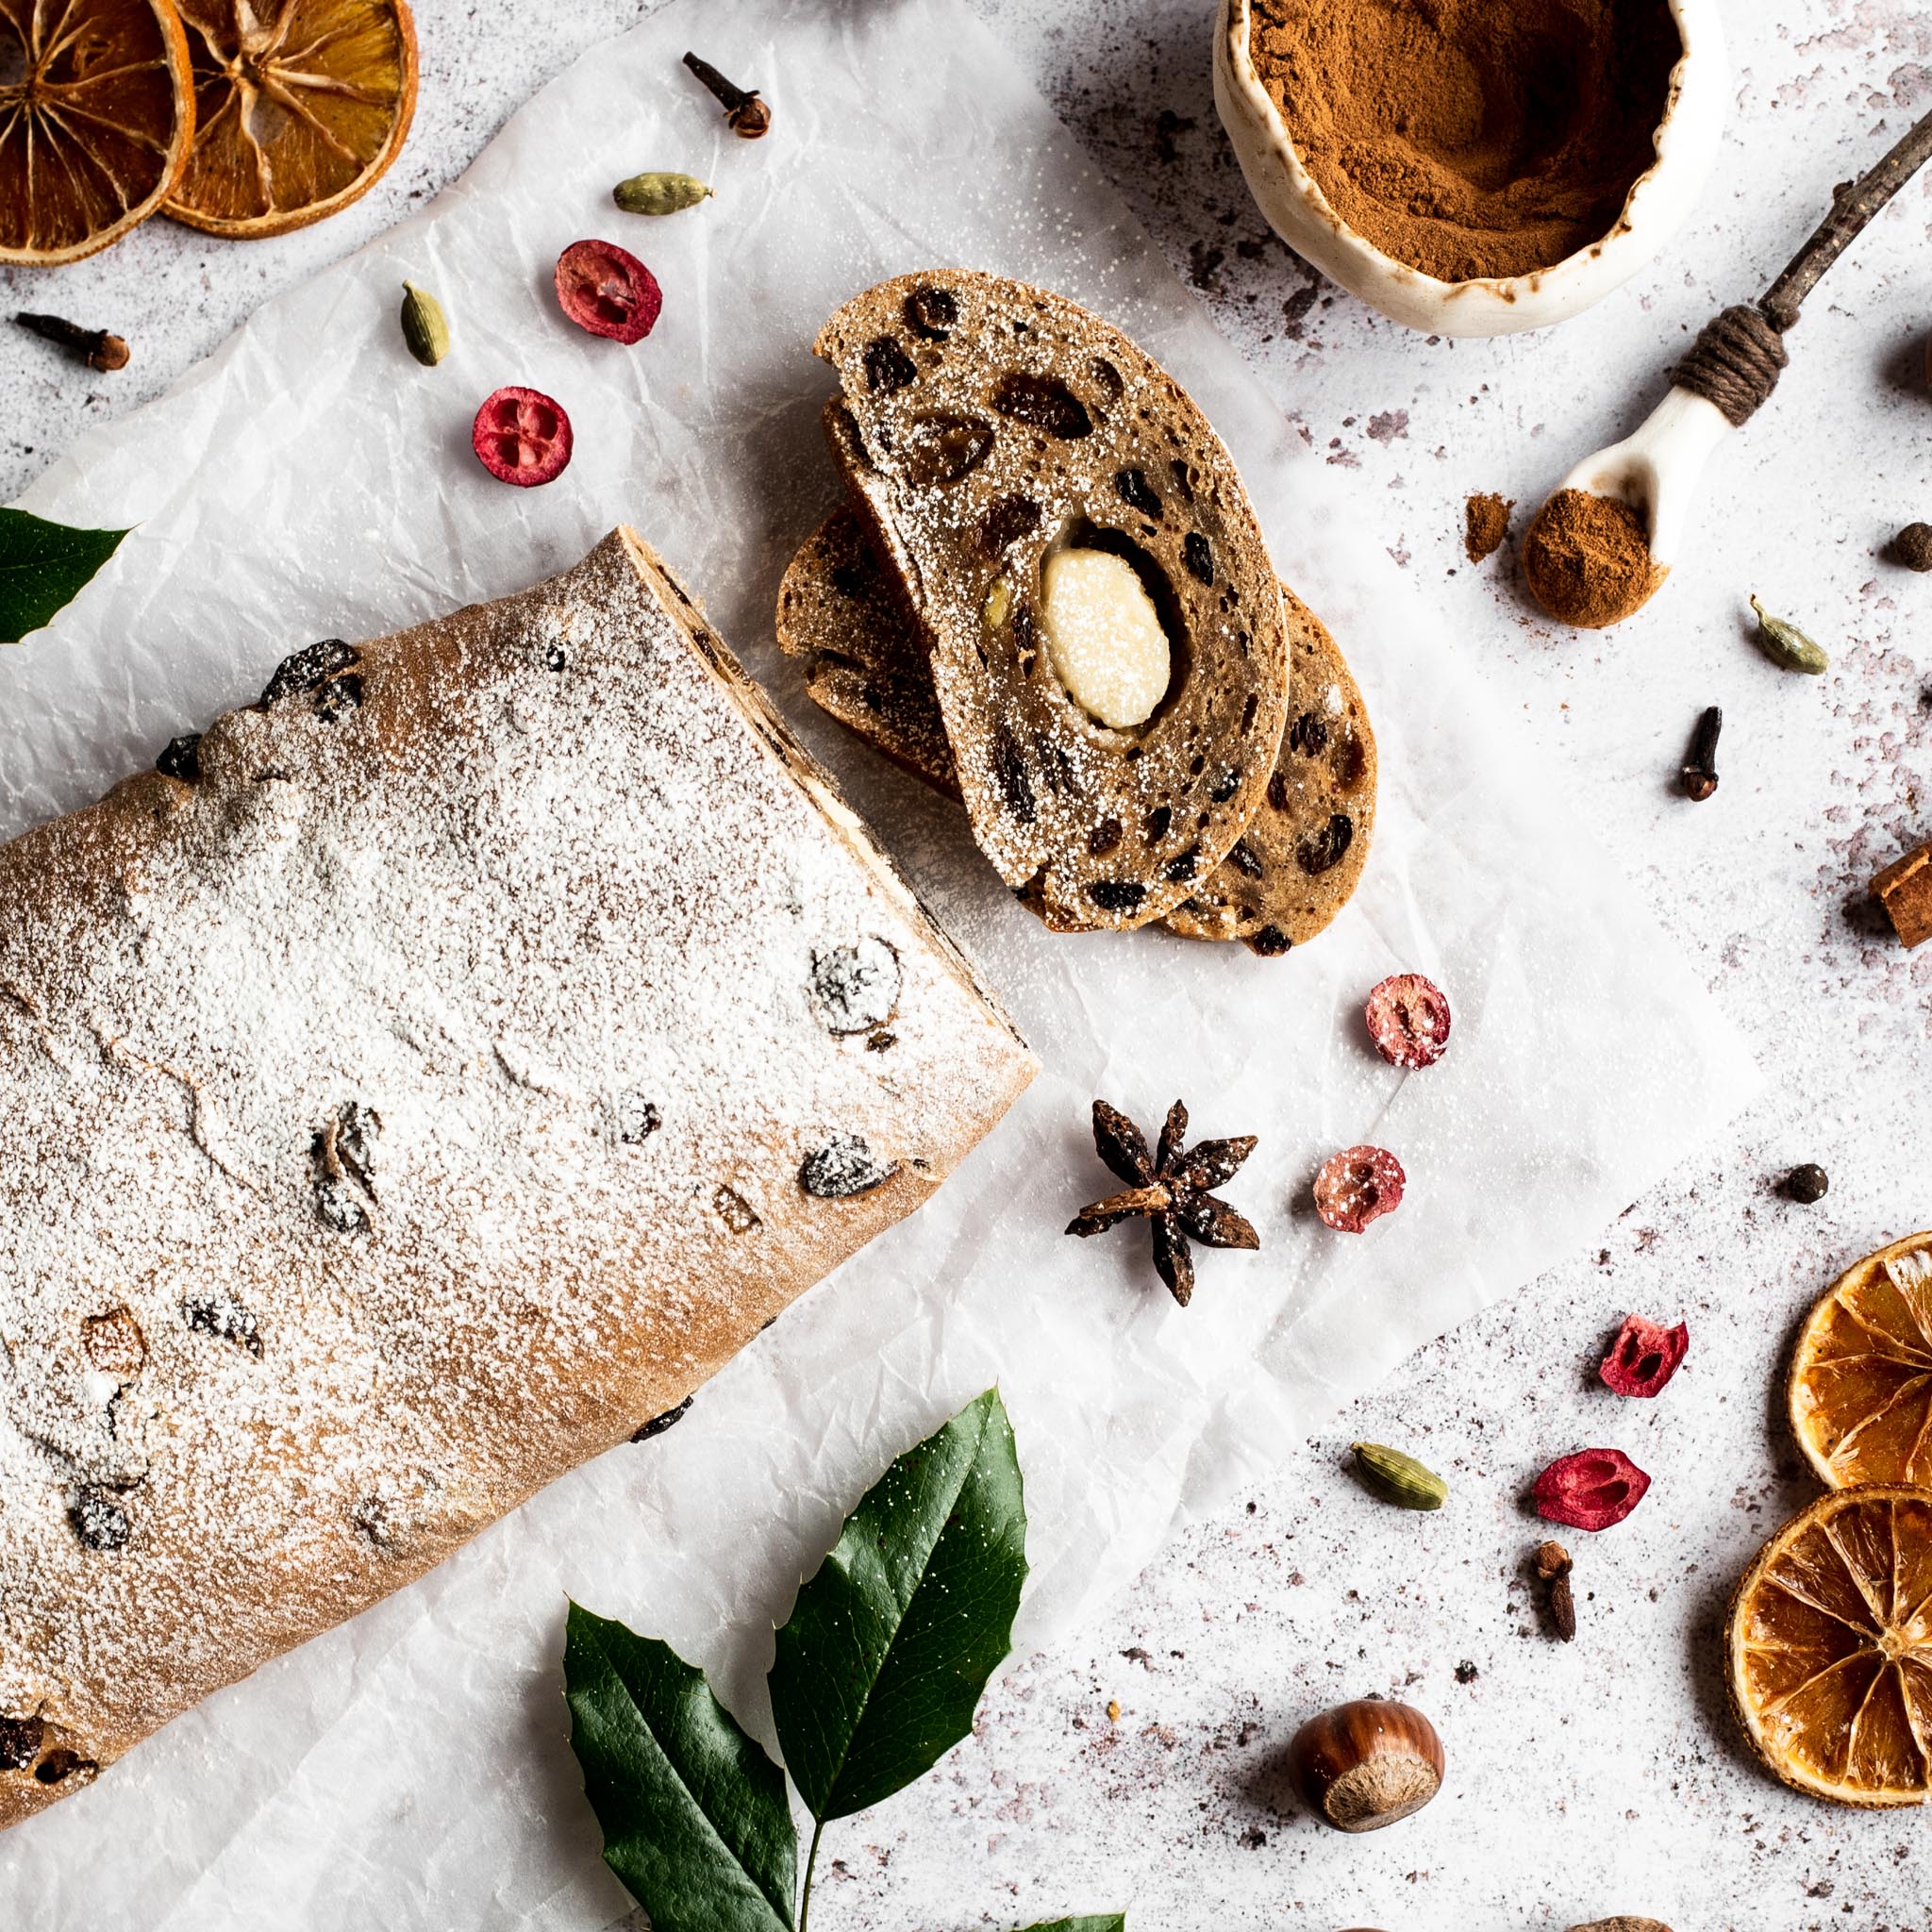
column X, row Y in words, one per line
column 1300, row 213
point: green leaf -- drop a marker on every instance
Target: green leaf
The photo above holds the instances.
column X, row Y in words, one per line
column 889, row 1647
column 1105, row 1922
column 694, row 1814
column 44, row 566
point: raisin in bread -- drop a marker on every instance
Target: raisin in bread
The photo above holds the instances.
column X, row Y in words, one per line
column 433, row 1074
column 1284, row 878
column 982, row 425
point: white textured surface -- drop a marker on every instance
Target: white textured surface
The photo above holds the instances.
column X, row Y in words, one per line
column 1604, row 1777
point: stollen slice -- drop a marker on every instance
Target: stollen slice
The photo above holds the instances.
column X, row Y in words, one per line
column 998, row 440
column 862, row 657
column 1302, row 856
column 1286, row 878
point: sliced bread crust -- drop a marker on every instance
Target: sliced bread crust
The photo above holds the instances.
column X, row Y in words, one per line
column 1302, row 856
column 983, row 425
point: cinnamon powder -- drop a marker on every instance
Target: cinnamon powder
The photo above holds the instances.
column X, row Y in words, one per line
column 1587, row 559
column 1485, row 523
column 1471, row 137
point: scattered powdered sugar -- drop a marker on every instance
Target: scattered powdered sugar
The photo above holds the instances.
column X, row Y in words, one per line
column 414, row 1105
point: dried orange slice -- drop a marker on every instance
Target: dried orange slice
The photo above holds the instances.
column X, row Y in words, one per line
column 1830, row 1648
column 301, row 104
column 97, row 118
column 1861, row 1379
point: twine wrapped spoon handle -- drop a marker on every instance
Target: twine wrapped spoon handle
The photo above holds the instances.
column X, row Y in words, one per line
column 1718, row 384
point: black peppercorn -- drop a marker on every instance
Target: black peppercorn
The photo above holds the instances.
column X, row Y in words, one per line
column 1808, row 1183
column 1912, row 546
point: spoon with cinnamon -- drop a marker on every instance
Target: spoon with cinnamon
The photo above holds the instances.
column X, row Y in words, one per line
column 1601, row 545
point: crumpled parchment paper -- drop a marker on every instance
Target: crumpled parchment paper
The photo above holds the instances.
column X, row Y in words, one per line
column 310, row 481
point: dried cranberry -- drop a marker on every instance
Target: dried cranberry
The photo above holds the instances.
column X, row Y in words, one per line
column 1591, row 1490
column 606, row 290
column 1644, row 1357
column 1409, row 1021
column 1357, row 1186
column 522, row 437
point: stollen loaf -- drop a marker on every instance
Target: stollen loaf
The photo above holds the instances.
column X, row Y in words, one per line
column 419, row 1083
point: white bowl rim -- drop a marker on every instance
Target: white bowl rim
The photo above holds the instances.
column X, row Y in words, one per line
column 1702, row 37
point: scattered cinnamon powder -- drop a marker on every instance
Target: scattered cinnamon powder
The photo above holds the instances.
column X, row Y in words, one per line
column 1587, row 559
column 1486, row 524
column 1471, row 137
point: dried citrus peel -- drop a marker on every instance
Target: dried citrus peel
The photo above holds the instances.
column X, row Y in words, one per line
column 1860, row 1387
column 96, row 123
column 303, row 104
column 1829, row 1653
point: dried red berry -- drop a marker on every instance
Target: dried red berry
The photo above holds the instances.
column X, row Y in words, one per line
column 522, row 437
column 606, row 290
column 1644, row 1357
column 1409, row 1020
column 1591, row 1490
column 1358, row 1185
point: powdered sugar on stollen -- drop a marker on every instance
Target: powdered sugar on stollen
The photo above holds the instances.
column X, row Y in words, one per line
column 431, row 1094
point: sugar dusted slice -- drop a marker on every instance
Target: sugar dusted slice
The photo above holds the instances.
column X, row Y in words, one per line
column 986, row 429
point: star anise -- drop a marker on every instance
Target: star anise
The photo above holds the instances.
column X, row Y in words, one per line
column 1170, row 1189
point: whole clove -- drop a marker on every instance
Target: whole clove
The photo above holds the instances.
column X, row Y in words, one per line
column 98, row 348
column 746, row 112
column 1699, row 776
column 1552, row 1567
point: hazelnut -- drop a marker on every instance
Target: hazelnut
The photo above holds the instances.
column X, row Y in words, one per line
column 1622, row 1922
column 1364, row 1765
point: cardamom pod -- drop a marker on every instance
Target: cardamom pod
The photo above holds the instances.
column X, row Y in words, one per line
column 1785, row 644
column 426, row 329
column 1398, row 1478
column 658, row 195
